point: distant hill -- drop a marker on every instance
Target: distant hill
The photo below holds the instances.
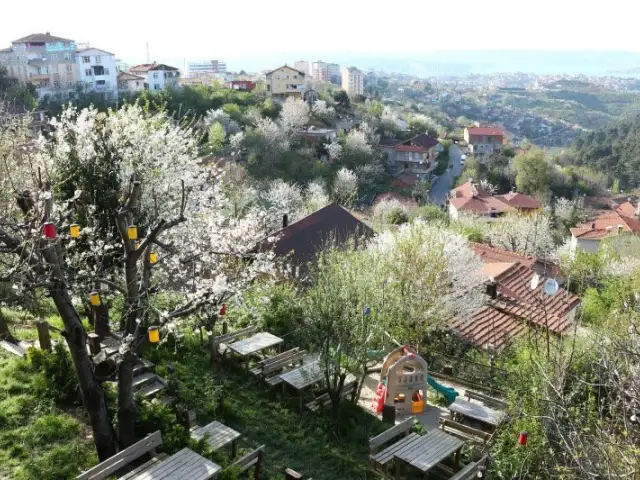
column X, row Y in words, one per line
column 614, row 150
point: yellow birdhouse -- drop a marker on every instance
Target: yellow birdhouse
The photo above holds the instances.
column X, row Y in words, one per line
column 153, row 258
column 154, row 334
column 132, row 232
column 95, row 298
column 74, row 230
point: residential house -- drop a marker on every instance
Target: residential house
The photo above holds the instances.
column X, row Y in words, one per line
column 415, row 157
column 44, row 60
column 516, row 304
column 352, row 81
column 473, row 199
column 483, row 140
column 97, row 71
column 157, row 75
column 129, row 83
column 299, row 243
column 242, row 85
column 315, row 135
column 285, row 82
column 587, row 236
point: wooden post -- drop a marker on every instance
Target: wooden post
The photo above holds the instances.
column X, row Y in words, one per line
column 94, row 343
column 225, row 327
column 212, row 346
column 291, row 475
column 256, row 473
column 100, row 320
column 43, row 335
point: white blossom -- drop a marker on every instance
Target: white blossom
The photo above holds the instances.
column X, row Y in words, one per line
column 345, row 187
column 294, row 114
column 335, row 150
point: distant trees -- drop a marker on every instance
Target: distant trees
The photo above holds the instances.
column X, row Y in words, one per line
column 533, row 172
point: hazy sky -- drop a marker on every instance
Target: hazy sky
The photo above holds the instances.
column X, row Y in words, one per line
column 275, row 32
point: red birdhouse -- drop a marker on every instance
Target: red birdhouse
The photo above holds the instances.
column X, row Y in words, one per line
column 223, row 309
column 49, row 230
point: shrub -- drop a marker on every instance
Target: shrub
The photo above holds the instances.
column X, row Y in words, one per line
column 56, row 377
column 397, row 216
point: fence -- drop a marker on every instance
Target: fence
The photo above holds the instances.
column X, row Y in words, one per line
column 478, row 375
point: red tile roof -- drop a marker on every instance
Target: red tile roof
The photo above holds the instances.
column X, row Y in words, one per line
column 626, row 209
column 481, row 205
column 520, row 200
column 516, row 307
column 489, row 254
column 469, row 189
column 494, row 131
column 606, row 224
column 146, row 67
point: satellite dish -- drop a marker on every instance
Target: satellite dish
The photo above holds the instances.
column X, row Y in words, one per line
column 535, row 281
column 551, row 287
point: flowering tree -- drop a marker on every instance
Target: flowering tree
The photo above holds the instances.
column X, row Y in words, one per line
column 345, row 187
column 315, row 196
column 525, row 234
column 163, row 193
column 294, row 114
column 388, row 211
column 334, row 149
column 357, row 142
column 223, row 118
column 320, row 110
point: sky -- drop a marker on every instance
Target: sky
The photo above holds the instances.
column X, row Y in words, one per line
column 266, row 34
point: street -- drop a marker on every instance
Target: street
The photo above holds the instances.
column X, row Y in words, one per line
column 443, row 184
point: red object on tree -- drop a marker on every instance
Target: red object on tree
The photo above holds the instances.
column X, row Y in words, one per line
column 49, row 230
column 522, row 438
column 223, row 309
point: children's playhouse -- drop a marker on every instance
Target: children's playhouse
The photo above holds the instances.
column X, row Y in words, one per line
column 403, row 383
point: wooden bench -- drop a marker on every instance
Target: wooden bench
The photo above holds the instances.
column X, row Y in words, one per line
column 271, row 371
column 470, row 471
column 380, row 459
column 218, row 344
column 271, row 364
column 323, row 401
column 464, row 432
column 123, row 458
column 486, row 399
column 253, row 459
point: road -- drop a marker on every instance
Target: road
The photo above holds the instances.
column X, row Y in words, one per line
column 444, row 183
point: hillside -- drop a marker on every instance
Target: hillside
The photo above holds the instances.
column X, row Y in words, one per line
column 614, row 150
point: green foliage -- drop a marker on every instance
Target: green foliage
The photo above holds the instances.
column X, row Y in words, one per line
column 216, row 137
column 342, row 99
column 532, row 172
column 397, row 216
column 56, row 378
column 430, row 213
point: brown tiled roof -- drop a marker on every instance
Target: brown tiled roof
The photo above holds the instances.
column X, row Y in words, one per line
column 481, row 205
column 469, row 189
column 286, row 66
column 626, row 209
column 489, row 254
column 516, row 307
column 305, row 238
column 485, row 131
column 409, row 148
column 519, row 200
column 146, row 67
column 606, row 224
column 424, row 140
column 123, row 76
column 42, row 38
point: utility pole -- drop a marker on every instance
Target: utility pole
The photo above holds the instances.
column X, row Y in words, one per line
column 148, row 56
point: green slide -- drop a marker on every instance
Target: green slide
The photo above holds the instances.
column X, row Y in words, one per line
column 447, row 392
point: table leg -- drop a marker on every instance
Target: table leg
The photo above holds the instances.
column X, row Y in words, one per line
column 284, row 392
column 456, row 461
column 300, row 396
column 234, row 448
column 398, row 468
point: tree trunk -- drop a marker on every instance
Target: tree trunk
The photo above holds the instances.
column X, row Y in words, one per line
column 127, row 410
column 5, row 334
column 93, row 395
column 133, row 297
column 100, row 315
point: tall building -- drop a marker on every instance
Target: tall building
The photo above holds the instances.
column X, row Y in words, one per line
column 303, row 66
column 55, row 66
column 334, row 72
column 320, row 71
column 203, row 69
column 352, row 81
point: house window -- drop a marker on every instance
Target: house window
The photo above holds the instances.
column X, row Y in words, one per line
column 69, row 68
column 156, row 86
column 67, row 57
column 488, row 139
column 86, row 59
column 106, row 71
column 137, row 83
column 98, row 59
column 155, row 74
column 88, row 72
column 69, row 84
column 53, row 56
column 56, row 84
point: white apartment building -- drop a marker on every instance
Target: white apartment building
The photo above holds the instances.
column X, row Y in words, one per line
column 303, row 66
column 156, row 76
column 97, row 71
column 334, row 72
column 352, row 81
column 210, row 68
column 320, row 71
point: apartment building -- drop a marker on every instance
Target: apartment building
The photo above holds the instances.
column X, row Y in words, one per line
column 483, row 140
column 97, row 71
column 46, row 61
column 285, row 82
column 320, row 71
column 156, row 76
column 334, row 73
column 352, row 81
column 205, row 69
column 302, row 66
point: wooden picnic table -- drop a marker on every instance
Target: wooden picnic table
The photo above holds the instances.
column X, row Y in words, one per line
column 255, row 343
column 477, row 412
column 219, row 436
column 301, row 378
column 426, row 451
column 182, row 465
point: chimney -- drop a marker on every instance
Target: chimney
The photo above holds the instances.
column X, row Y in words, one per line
column 593, row 226
column 285, row 220
column 619, row 229
column 48, row 33
column 492, row 288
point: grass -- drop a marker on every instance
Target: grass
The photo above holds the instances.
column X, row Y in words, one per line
column 37, row 438
column 315, row 446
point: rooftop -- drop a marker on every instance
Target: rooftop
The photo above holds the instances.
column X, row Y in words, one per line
column 286, row 66
column 606, row 224
column 146, row 67
column 485, row 131
column 520, row 200
column 124, row 76
column 42, row 38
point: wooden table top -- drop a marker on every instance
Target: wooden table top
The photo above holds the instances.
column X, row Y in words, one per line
column 477, row 412
column 219, row 434
column 428, row 450
column 255, row 343
column 179, row 466
column 303, row 376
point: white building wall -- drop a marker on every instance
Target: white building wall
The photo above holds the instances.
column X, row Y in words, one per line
column 87, row 66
